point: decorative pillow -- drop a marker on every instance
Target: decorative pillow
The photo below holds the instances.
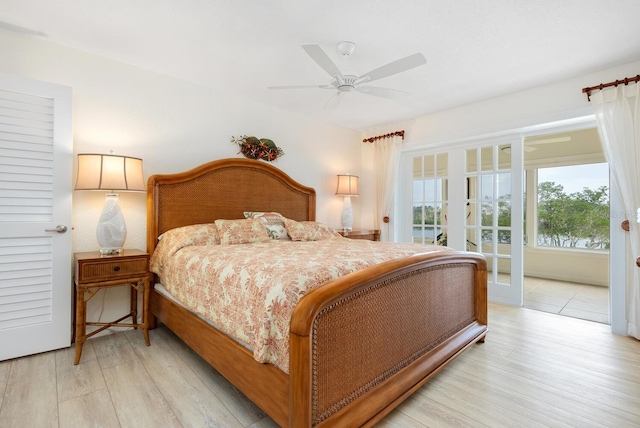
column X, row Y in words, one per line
column 308, row 230
column 173, row 240
column 274, row 222
column 241, row 231
column 195, row 234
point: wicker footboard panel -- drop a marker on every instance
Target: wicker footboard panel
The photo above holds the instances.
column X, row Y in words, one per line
column 364, row 339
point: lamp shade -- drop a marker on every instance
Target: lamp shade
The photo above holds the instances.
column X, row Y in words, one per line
column 347, row 185
column 109, row 172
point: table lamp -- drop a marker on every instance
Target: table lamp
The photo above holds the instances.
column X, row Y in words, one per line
column 112, row 173
column 347, row 187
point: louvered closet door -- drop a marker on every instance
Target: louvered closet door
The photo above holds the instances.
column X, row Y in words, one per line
column 35, row 198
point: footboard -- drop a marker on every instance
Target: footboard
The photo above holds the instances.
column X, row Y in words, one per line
column 364, row 343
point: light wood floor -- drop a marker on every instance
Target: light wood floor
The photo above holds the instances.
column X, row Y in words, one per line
column 535, row 370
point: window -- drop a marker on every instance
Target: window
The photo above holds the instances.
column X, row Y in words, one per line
column 573, row 206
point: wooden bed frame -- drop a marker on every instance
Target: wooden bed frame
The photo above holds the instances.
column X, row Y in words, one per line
column 359, row 345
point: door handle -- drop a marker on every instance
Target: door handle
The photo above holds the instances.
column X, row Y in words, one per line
column 59, row 228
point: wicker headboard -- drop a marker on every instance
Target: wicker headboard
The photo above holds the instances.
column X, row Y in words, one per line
column 223, row 189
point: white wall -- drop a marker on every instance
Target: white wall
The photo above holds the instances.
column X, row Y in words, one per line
column 173, row 126
column 558, row 101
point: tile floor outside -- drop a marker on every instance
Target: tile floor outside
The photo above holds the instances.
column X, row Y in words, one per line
column 588, row 302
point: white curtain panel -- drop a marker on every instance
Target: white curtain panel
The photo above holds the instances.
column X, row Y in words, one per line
column 386, row 161
column 618, row 116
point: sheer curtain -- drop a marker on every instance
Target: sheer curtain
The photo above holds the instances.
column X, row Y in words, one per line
column 618, row 116
column 386, row 161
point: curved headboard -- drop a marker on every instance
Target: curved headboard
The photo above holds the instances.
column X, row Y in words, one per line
column 223, row 189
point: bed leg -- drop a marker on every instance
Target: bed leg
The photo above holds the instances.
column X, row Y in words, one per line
column 153, row 322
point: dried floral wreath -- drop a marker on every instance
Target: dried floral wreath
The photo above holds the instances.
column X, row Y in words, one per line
column 258, row 148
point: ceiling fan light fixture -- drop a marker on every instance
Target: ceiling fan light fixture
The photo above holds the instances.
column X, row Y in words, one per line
column 346, row 48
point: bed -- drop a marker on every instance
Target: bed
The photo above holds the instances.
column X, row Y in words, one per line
column 352, row 342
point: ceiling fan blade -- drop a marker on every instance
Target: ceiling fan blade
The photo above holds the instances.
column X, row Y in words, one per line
column 392, row 94
column 322, row 59
column 23, row 30
column 301, row 87
column 334, row 101
column 395, row 67
column 550, row 140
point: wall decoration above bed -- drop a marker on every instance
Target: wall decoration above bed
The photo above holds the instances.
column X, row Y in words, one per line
column 258, row 148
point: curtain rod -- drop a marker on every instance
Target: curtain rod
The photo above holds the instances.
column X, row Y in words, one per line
column 380, row 137
column 601, row 86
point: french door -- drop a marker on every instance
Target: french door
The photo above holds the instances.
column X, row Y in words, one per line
column 494, row 216
column 36, row 156
column 430, row 187
column 471, row 198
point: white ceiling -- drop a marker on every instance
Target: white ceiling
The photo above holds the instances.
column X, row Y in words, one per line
column 474, row 49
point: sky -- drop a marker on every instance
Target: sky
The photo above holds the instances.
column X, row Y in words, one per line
column 575, row 178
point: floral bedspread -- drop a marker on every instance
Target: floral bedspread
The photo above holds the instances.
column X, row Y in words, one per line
column 250, row 290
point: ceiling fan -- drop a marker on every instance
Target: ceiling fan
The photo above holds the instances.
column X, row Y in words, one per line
column 347, row 81
column 549, row 140
column 529, row 143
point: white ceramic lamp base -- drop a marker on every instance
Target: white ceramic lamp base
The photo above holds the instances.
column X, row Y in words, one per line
column 347, row 214
column 112, row 231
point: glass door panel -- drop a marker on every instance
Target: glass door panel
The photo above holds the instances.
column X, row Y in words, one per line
column 430, row 199
column 490, row 218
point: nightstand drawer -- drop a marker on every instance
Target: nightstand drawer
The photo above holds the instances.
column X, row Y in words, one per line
column 91, row 271
column 369, row 236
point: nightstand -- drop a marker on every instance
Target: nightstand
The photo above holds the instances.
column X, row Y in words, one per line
column 95, row 272
column 370, row 234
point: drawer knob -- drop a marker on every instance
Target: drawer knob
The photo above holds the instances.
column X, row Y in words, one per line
column 116, row 268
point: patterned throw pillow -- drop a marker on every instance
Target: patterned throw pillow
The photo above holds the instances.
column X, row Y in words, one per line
column 241, row 231
column 175, row 239
column 195, row 234
column 274, row 222
column 308, row 230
